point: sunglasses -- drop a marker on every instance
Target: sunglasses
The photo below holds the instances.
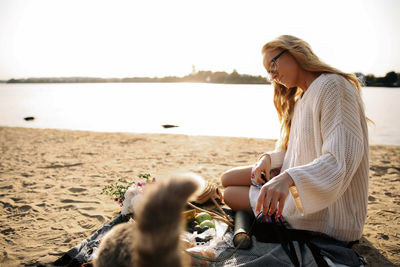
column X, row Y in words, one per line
column 273, row 66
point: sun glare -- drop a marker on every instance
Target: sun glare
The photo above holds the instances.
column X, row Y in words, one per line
column 160, row 38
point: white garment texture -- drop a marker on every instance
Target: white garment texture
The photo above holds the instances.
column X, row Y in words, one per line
column 328, row 160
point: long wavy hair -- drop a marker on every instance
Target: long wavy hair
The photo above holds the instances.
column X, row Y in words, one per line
column 286, row 98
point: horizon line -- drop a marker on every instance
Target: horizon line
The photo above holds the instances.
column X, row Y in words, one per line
column 167, row 76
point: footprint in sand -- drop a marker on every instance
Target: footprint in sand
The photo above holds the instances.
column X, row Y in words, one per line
column 7, row 231
column 25, row 184
column 78, row 201
column 48, row 186
column 3, row 256
column 88, row 208
column 76, row 189
column 100, row 218
column 389, row 194
column 24, row 208
column 382, row 236
column 16, row 199
column 68, row 240
column 378, row 170
column 67, row 207
column 7, row 187
column 86, row 225
column 8, row 205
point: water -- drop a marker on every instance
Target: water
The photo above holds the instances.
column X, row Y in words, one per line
column 197, row 108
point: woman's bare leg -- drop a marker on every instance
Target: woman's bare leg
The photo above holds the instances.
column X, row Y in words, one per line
column 237, row 198
column 237, row 176
column 237, row 184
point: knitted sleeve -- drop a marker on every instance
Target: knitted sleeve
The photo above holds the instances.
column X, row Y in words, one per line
column 277, row 157
column 323, row 181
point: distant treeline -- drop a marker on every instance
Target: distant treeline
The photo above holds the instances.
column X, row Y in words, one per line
column 391, row 79
column 199, row 76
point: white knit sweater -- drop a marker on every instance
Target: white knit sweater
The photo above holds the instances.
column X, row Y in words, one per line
column 328, row 160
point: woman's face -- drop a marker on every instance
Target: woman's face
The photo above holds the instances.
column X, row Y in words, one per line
column 285, row 70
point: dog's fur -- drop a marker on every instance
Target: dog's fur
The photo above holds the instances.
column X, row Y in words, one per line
column 154, row 239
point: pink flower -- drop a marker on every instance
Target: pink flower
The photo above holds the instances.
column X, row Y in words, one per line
column 141, row 183
column 118, row 201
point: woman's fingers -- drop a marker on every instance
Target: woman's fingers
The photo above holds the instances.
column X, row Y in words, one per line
column 260, row 180
column 273, row 195
column 267, row 176
column 267, row 203
column 256, row 174
column 274, row 202
column 260, row 201
column 281, row 206
column 261, row 167
column 263, row 201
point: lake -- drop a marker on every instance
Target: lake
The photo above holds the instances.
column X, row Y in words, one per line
column 197, row 108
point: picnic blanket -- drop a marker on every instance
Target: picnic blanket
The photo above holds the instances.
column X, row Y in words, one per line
column 334, row 252
column 84, row 251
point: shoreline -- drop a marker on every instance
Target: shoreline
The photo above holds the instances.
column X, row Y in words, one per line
column 50, row 184
column 174, row 131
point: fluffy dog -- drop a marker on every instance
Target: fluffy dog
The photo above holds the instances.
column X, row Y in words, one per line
column 154, row 239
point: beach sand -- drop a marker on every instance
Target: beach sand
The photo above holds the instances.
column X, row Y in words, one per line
column 50, row 184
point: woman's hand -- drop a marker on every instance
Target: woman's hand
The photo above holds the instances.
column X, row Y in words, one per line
column 263, row 165
column 273, row 194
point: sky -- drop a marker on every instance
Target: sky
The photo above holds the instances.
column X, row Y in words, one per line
column 115, row 38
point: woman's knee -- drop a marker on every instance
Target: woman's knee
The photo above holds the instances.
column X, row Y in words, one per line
column 237, row 197
column 227, row 195
column 226, row 176
column 236, row 176
column 230, row 197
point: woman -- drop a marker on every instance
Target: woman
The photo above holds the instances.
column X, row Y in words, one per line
column 323, row 149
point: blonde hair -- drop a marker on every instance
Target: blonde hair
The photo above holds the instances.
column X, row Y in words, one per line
column 286, row 98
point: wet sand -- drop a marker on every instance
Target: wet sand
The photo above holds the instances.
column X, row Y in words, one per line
column 50, row 184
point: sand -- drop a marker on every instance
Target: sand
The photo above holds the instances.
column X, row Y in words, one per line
column 50, row 184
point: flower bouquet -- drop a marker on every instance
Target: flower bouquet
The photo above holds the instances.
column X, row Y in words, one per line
column 126, row 193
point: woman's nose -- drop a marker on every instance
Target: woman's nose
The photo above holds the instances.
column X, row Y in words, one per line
column 274, row 75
